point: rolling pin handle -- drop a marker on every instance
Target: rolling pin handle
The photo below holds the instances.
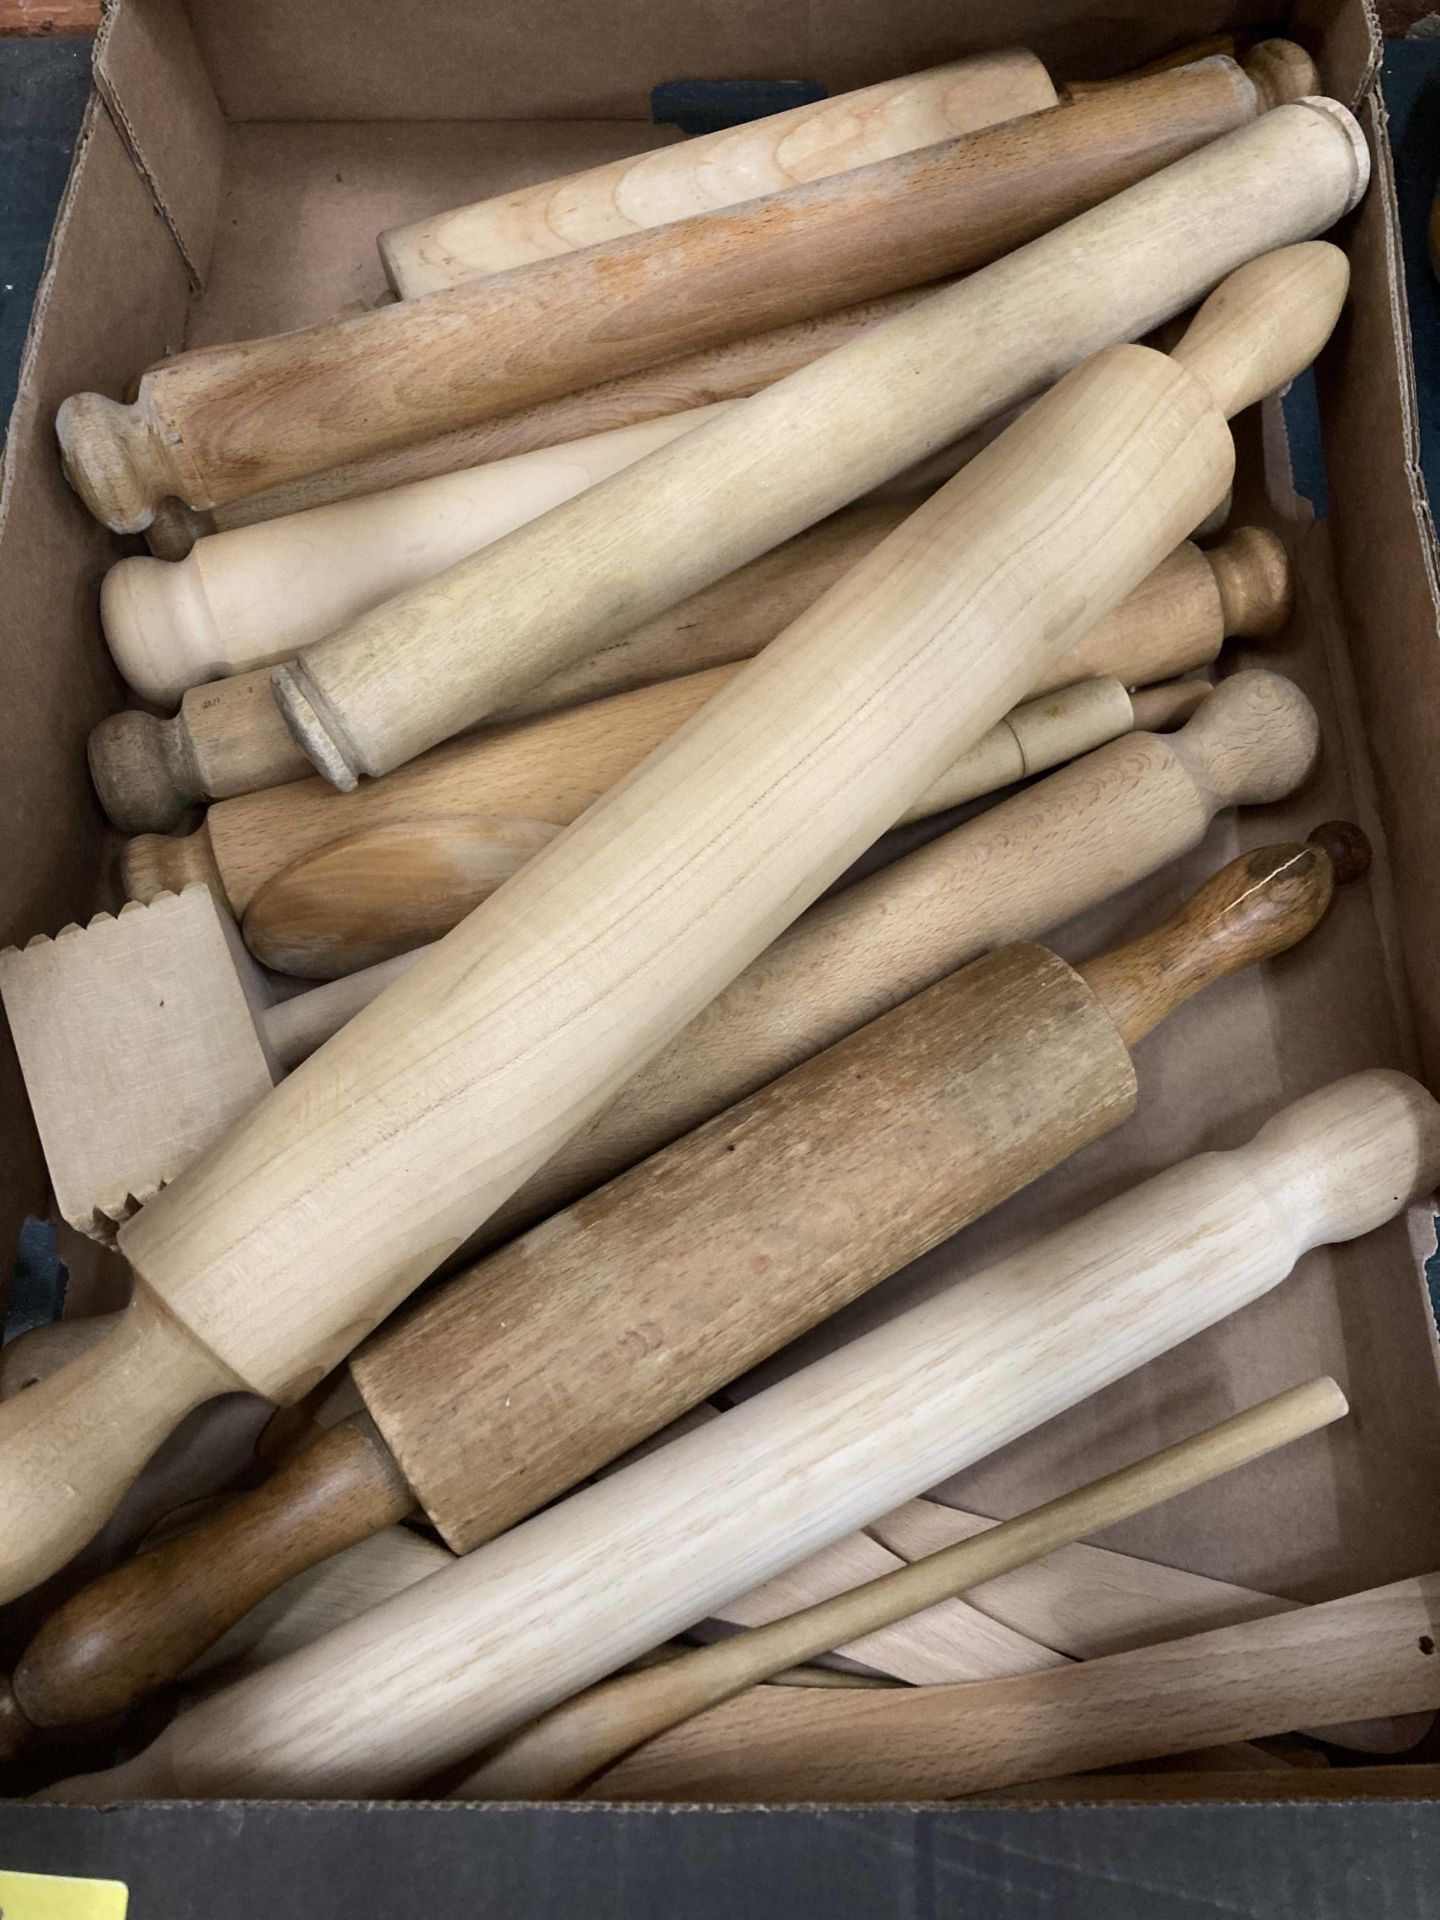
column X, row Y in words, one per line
column 1253, row 577
column 145, row 779
column 115, row 460
column 1254, row 740
column 1265, row 323
column 1281, row 71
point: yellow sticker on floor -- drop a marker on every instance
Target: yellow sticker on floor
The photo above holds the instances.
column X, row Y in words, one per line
column 52, row 1896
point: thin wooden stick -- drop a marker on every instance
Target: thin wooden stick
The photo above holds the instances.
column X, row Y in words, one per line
column 574, row 1741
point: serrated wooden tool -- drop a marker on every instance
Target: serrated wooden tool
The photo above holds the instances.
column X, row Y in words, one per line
column 1370, row 1651
column 455, row 1664
column 432, row 662
column 580, row 1339
column 272, row 1256
column 585, row 1736
column 761, row 156
column 230, row 738
column 129, row 1082
column 219, row 422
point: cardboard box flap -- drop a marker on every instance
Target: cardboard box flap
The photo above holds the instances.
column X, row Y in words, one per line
column 150, row 74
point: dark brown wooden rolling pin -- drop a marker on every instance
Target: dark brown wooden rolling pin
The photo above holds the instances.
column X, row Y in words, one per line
column 553, row 1356
column 221, row 422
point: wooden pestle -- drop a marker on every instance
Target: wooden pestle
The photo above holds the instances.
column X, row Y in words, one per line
column 224, row 421
column 739, row 368
column 375, row 893
column 434, row 1676
column 249, row 598
column 721, row 169
column 230, row 737
column 432, row 662
column 579, row 1340
column 733, row 165
column 1370, row 1652
column 582, row 1737
column 367, row 1168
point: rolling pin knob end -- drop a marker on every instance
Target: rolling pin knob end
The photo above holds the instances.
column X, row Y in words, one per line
column 138, row 773
column 1347, row 847
column 113, row 460
column 160, row 627
column 1254, row 580
column 314, row 727
column 156, row 863
column 1254, row 740
column 1281, row 71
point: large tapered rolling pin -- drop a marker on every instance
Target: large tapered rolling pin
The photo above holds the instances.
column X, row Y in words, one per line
column 225, row 421
column 738, row 163
column 580, row 1339
column 731, row 372
column 467, row 1656
column 435, row 661
column 247, row 598
column 720, row 169
column 1370, row 1652
column 582, row 1737
column 230, row 738
column 288, row 1241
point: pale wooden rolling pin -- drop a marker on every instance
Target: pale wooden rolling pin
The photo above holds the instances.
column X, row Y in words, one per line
column 731, row 372
column 482, row 1648
column 223, row 421
column 1373, row 1651
column 275, row 1253
column 581, row 1738
column 230, row 737
column 737, row 163
column 720, row 169
column 433, row 662
column 558, row 1353
column 143, row 1037
column 251, row 597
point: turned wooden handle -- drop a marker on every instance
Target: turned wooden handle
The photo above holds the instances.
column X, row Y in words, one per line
column 574, row 1741
column 1371, row 1652
column 1256, row 907
column 1265, row 323
column 89, row 1660
column 508, row 1631
column 714, row 170
column 433, row 662
column 88, row 1430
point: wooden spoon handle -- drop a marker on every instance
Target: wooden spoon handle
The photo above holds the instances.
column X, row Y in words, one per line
column 141, row 1625
column 570, row 1744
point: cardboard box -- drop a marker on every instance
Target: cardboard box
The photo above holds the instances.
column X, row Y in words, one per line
column 230, row 179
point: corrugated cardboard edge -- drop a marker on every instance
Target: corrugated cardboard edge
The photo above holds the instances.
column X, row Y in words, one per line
column 150, row 75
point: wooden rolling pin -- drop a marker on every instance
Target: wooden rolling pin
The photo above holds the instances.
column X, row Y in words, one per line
column 487, row 803
column 738, row 163
column 273, row 1255
column 731, row 372
column 379, row 892
column 584, row 1736
column 557, row 1603
column 1371, row 1652
column 435, row 661
column 720, row 169
column 257, row 595
column 230, row 737
column 580, row 1339
column 225, row 421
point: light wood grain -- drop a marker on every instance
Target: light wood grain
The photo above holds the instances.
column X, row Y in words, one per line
column 224, row 421
column 588, row 1734
column 484, row 1647
column 433, row 662
column 730, row 372
column 556, row 1355
column 1371, row 1652
column 230, row 737
column 809, row 142
column 368, row 1166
